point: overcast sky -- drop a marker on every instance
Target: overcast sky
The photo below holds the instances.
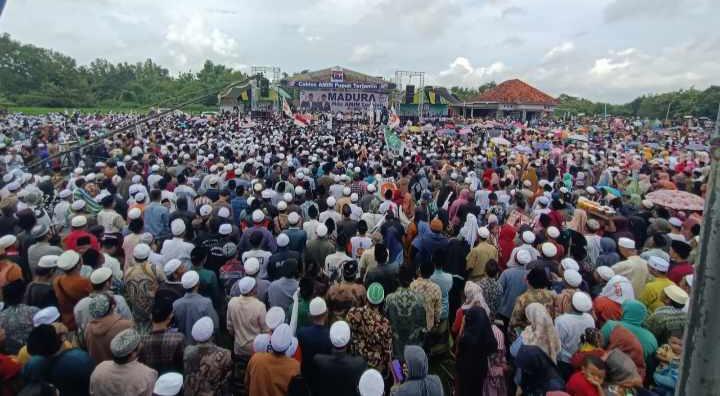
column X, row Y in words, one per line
column 611, row 50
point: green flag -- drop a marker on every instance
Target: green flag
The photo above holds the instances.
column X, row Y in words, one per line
column 393, row 142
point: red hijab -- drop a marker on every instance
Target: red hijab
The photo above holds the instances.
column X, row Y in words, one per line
column 506, row 242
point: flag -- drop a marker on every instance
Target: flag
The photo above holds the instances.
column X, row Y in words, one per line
column 286, row 108
column 393, row 142
column 393, row 120
column 301, row 120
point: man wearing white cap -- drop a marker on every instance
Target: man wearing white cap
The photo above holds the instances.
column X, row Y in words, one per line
column 192, row 306
column 513, row 281
column 79, row 230
column 267, row 241
column 317, row 251
column 528, row 238
column 480, row 255
column 62, row 210
column 156, row 216
column 141, row 283
column 314, row 339
column 270, row 373
column 70, row 287
column 278, row 259
column 296, row 235
column 570, row 326
column 330, row 212
column 570, row 284
column 651, row 295
column 40, row 291
column 633, row 267
column 371, row 383
column 311, row 223
column 670, row 319
column 177, row 247
column 340, row 370
column 171, row 287
column 245, row 320
column 168, row 384
column 101, row 280
column 207, row 367
column 676, row 233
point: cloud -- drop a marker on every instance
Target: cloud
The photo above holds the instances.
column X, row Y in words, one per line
column 512, row 11
column 563, row 48
column 604, row 66
column 513, row 41
column 196, row 39
column 367, row 53
column 462, row 72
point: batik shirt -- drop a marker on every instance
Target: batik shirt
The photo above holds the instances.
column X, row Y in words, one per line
column 372, row 336
column 406, row 311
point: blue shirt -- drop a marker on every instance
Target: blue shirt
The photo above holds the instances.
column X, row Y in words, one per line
column 69, row 371
column 513, row 285
column 188, row 309
column 238, row 204
column 444, row 281
column 157, row 220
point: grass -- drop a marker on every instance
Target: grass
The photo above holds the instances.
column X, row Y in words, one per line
column 101, row 110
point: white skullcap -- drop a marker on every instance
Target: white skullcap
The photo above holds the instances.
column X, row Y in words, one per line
column 146, row 238
column 483, row 232
column 223, row 212
column 593, row 225
column 266, row 194
column 492, row 219
column 90, row 177
column 7, row 240
column 155, row 168
column 203, row 329
column 347, row 191
column 100, row 275
column 572, row 277
column 528, row 237
column 49, row 261
column 171, row 266
column 321, row 230
column 168, row 384
column 287, row 197
column 274, row 317
column 7, row 178
column 281, row 338
column 258, row 216
column 14, row 186
column 77, row 205
column 135, row 213
column 675, row 222
column 543, row 200
column 648, row 204
column 563, row 190
column 299, row 190
column 626, row 243
column 553, row 232
column 293, row 218
column 549, row 249
column 261, row 342
column 141, row 251
column 605, row 272
column 581, row 301
column 590, row 190
column 371, row 188
column 68, row 260
column 65, row 193
column 140, row 197
column 523, row 256
column 281, row 206
column 354, row 197
column 257, row 187
column 136, row 179
column 78, row 171
column 371, row 383
column 317, row 306
column 340, row 334
column 251, row 266
column 330, row 201
column 46, row 316
column 225, row 229
column 658, row 263
column 569, row 263
column 205, row 210
column 177, row 227
column 527, row 183
column 282, row 240
column 246, row 284
column 189, row 280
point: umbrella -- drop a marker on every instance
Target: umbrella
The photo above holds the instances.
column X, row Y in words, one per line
column 523, row 149
column 500, row 141
column 612, row 190
column 676, row 199
column 543, row 146
column 578, row 137
column 465, row 131
column 446, row 132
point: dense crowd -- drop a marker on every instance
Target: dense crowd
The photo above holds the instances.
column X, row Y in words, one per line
column 218, row 256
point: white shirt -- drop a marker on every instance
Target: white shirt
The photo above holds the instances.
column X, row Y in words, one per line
column 359, row 244
column 570, row 327
column 262, row 256
column 333, row 264
column 309, row 227
column 177, row 248
column 330, row 214
column 60, row 213
column 114, row 265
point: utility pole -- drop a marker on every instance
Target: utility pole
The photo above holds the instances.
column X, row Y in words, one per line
column 700, row 366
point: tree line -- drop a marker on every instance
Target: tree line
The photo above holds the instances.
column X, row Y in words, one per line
column 34, row 76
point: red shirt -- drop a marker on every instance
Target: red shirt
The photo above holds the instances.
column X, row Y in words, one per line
column 578, row 385
column 70, row 240
column 678, row 271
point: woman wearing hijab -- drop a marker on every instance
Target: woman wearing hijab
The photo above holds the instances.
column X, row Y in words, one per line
column 469, row 231
column 622, row 339
column 506, row 244
column 473, row 298
column 536, row 352
column 454, row 211
column 578, row 221
column 477, row 343
column 609, row 255
column 608, row 305
column 622, row 377
column 634, row 313
column 418, row 382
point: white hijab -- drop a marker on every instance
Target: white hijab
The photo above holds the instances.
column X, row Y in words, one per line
column 469, row 230
column 618, row 289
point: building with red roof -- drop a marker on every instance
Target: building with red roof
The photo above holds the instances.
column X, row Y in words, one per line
column 511, row 98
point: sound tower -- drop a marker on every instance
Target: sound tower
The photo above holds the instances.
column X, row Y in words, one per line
column 409, row 93
column 264, row 87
